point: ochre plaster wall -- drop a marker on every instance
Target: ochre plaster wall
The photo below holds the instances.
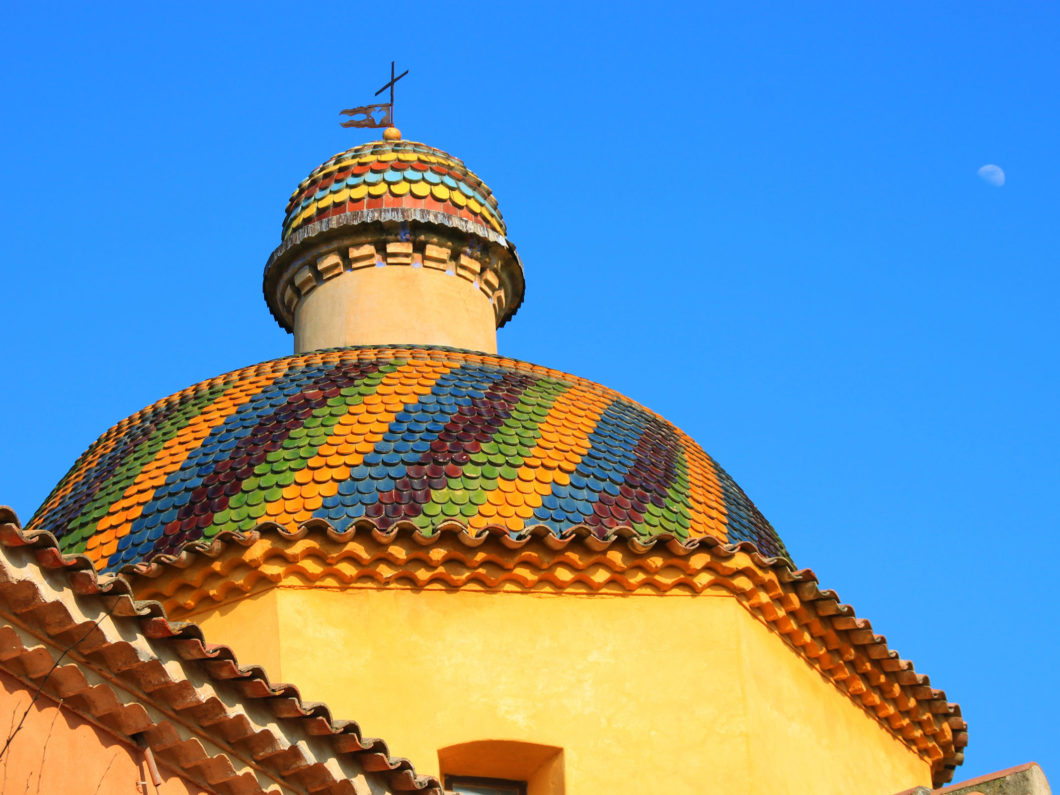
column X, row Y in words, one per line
column 644, row 693
column 395, row 306
column 56, row 751
column 249, row 625
column 799, row 721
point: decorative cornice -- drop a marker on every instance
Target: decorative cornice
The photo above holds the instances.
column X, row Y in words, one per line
column 328, row 247
column 482, row 266
column 824, row 632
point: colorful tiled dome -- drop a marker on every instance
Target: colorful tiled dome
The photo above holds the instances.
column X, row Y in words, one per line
column 392, row 434
column 392, row 191
column 385, row 174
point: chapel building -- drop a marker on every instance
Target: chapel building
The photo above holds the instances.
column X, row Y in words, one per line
column 522, row 580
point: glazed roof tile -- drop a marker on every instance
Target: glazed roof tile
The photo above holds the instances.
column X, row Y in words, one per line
column 391, row 174
column 423, row 435
column 247, row 733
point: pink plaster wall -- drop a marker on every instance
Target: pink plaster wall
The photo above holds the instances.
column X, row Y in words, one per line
column 56, row 751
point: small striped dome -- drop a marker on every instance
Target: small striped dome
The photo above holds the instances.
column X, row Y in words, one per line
column 386, row 192
column 391, row 174
column 393, row 434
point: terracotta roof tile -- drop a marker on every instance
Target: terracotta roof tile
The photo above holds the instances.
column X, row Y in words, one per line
column 253, row 744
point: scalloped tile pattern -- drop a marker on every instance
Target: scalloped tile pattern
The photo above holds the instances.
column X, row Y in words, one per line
column 392, row 434
column 392, row 174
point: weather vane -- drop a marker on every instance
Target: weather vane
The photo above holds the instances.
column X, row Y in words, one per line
column 375, row 115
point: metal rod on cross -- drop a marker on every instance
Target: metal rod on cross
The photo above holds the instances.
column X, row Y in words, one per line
column 390, row 85
column 375, row 115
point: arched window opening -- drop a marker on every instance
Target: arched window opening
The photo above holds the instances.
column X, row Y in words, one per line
column 502, row 767
column 476, row 785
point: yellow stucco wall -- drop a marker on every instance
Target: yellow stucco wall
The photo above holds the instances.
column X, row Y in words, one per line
column 250, row 625
column 644, row 693
column 395, row 306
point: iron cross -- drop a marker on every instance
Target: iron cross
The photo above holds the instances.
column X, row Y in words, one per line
column 390, row 85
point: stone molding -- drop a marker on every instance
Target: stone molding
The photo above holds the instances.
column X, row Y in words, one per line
column 386, row 238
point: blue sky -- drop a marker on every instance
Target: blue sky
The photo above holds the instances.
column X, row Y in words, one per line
column 764, row 221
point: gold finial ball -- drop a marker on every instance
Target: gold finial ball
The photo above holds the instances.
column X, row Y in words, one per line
column 392, row 134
